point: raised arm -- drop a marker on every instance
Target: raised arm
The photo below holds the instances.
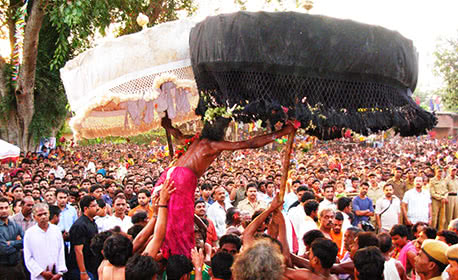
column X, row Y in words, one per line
column 144, row 235
column 248, row 233
column 255, row 142
column 280, row 220
column 176, row 133
column 159, row 232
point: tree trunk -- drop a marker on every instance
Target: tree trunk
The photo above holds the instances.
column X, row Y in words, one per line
column 26, row 80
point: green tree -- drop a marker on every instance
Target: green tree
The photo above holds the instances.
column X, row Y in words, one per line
column 56, row 31
column 446, row 65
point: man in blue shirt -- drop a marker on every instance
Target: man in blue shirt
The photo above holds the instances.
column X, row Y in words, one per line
column 11, row 235
column 362, row 205
column 68, row 214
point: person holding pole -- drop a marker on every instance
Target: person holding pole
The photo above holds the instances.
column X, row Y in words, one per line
column 189, row 167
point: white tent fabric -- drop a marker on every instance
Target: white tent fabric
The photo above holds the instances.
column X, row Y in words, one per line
column 117, row 89
column 8, row 151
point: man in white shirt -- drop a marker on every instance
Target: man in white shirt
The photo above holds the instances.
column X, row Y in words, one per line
column 119, row 217
column 102, row 216
column 388, row 209
column 44, row 247
column 416, row 204
column 344, row 206
column 328, row 201
column 307, row 224
column 217, row 211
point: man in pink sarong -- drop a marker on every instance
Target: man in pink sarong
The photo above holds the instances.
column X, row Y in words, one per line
column 179, row 238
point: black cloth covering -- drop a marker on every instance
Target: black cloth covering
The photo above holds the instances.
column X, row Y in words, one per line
column 328, row 73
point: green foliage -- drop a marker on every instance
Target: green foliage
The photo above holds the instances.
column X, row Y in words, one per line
column 140, row 139
column 425, row 96
column 447, row 66
column 50, row 98
column 87, row 17
column 8, row 102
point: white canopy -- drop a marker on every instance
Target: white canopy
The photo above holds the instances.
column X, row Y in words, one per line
column 8, row 151
column 124, row 86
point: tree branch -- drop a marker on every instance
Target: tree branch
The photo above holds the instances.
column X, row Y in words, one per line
column 30, row 50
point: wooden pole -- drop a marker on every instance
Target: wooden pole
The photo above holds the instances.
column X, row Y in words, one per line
column 169, row 140
column 286, row 159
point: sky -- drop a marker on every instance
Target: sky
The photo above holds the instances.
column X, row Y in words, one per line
column 424, row 22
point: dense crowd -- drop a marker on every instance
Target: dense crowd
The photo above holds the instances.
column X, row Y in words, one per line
column 352, row 210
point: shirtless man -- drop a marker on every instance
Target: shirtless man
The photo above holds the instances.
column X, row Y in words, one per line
column 191, row 166
column 322, row 256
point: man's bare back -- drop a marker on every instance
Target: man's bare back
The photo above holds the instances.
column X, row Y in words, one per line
column 203, row 152
column 305, row 274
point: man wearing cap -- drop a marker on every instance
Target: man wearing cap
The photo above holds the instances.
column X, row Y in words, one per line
column 438, row 190
column 452, row 187
column 431, row 260
column 452, row 255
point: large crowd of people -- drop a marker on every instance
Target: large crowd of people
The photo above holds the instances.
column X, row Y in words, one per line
column 352, row 210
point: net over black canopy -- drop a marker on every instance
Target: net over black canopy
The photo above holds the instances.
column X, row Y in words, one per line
column 327, row 73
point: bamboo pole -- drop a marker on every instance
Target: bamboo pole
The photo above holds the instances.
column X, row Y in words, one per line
column 169, row 140
column 286, row 159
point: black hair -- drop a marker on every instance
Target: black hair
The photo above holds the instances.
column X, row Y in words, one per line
column 259, row 212
column 311, row 236
column 95, row 187
column 101, row 202
column 342, row 203
column 366, row 239
column 117, row 249
column 430, row 232
column 146, row 192
column 339, row 216
column 302, row 188
column 230, row 215
column 97, row 242
column 64, row 191
column 139, row 216
column 221, row 265
column 141, row 267
column 53, row 211
column 232, row 239
column 215, row 130
column 451, row 238
column 370, row 263
column 307, row 196
column 16, row 202
column 418, row 224
column 206, row 186
column 177, row 266
column 199, row 201
column 86, row 201
column 134, row 230
column 327, row 186
column 311, row 206
column 251, row 185
column 385, row 242
column 325, row 250
column 400, row 230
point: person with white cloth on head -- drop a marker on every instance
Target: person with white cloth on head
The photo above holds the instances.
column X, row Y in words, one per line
column 44, row 247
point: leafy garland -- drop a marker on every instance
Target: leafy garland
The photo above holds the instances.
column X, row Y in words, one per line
column 212, row 113
column 19, row 41
column 181, row 150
